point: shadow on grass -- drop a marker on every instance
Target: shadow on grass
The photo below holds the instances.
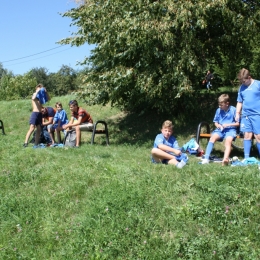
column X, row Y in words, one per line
column 133, row 129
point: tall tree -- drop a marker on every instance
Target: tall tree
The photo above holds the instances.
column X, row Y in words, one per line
column 41, row 75
column 63, row 81
column 149, row 52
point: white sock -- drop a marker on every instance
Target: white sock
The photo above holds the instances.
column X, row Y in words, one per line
column 181, row 164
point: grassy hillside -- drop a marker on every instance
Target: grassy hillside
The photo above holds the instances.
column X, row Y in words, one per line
column 110, row 202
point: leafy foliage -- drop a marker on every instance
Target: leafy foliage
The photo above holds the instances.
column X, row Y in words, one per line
column 150, row 52
column 17, row 87
column 60, row 83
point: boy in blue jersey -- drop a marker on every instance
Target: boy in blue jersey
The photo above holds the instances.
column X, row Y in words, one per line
column 248, row 107
column 60, row 119
column 166, row 149
column 226, row 128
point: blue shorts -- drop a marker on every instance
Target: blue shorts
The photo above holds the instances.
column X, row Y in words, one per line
column 250, row 124
column 36, row 118
column 54, row 126
column 225, row 133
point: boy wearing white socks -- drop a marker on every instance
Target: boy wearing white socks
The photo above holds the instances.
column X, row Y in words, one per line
column 166, row 149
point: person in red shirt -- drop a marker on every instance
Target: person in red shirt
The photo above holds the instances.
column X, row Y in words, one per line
column 80, row 120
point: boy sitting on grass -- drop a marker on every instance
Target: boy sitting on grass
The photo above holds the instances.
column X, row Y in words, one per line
column 226, row 128
column 166, row 149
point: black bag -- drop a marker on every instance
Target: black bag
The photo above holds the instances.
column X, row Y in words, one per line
column 42, row 139
column 70, row 138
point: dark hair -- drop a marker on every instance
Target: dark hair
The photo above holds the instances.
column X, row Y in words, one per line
column 74, row 103
column 58, row 104
column 243, row 74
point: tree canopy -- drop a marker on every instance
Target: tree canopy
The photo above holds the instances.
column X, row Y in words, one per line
column 149, row 52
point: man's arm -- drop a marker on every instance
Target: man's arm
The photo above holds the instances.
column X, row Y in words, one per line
column 47, row 94
column 49, row 122
column 35, row 94
column 238, row 111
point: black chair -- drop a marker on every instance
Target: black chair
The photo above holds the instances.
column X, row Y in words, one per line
column 2, row 127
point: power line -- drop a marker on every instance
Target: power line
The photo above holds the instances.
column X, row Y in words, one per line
column 32, row 54
column 36, row 58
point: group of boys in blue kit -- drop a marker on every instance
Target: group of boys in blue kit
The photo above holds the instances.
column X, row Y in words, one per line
column 166, row 148
column 227, row 119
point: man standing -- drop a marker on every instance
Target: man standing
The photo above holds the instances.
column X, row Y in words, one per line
column 209, row 77
column 248, row 109
column 39, row 97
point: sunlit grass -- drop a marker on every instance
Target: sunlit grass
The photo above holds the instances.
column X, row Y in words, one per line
column 110, row 202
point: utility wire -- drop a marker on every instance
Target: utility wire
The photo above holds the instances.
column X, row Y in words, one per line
column 36, row 58
column 32, row 54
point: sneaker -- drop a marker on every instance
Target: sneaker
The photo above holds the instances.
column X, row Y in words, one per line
column 25, row 145
column 53, row 145
column 60, row 145
column 204, row 161
column 181, row 164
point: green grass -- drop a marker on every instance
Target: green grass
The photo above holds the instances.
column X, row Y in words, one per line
column 110, row 202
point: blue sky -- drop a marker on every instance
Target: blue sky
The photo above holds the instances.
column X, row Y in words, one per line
column 29, row 27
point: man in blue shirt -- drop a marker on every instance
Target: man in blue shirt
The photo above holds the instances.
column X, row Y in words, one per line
column 248, row 108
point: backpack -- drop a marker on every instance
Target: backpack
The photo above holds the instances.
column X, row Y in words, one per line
column 42, row 139
column 70, row 139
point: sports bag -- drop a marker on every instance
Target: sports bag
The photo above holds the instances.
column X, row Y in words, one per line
column 70, row 139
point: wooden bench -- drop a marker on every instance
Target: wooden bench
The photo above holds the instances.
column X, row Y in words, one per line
column 2, row 127
column 95, row 131
column 238, row 144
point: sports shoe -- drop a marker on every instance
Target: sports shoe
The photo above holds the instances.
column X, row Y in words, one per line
column 60, row 145
column 181, row 164
column 53, row 145
column 25, row 145
column 204, row 161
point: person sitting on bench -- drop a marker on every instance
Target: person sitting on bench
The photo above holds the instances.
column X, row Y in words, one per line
column 80, row 120
column 226, row 128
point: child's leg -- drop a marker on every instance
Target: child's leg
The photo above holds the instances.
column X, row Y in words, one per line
column 58, row 129
column 37, row 135
column 258, row 148
column 247, row 144
column 51, row 133
column 228, row 143
column 78, row 135
column 31, row 129
column 210, row 145
column 159, row 155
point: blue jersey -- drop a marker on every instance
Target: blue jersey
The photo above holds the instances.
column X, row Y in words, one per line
column 171, row 142
column 225, row 117
column 250, row 97
column 62, row 116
